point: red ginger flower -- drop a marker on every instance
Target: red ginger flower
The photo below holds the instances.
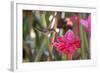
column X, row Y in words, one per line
column 67, row 44
column 75, row 19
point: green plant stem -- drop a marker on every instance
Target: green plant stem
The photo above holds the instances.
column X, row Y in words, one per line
column 64, row 56
column 38, row 56
column 43, row 42
column 82, row 43
column 43, row 20
column 82, row 49
column 86, row 44
column 86, row 41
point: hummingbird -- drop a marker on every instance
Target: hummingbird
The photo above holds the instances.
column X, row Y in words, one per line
column 49, row 29
column 45, row 31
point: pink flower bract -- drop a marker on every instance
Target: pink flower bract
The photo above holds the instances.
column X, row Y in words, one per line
column 86, row 23
column 68, row 43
